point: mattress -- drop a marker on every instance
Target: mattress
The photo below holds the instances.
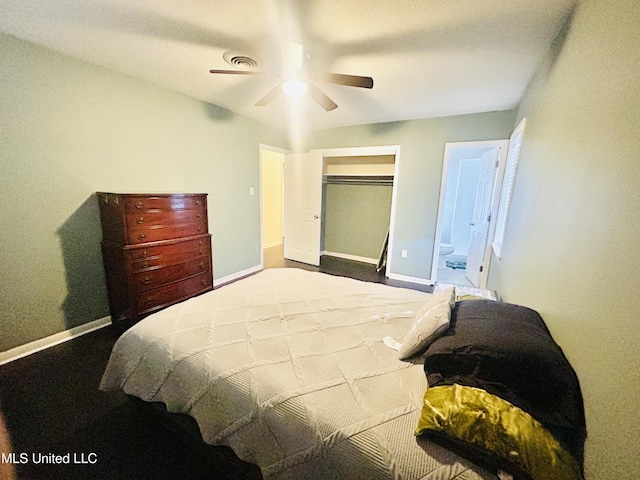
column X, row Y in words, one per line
column 288, row 368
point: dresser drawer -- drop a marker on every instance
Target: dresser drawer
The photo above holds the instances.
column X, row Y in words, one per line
column 158, row 298
column 162, row 275
column 173, row 202
column 156, row 218
column 200, row 244
column 165, row 232
column 167, row 259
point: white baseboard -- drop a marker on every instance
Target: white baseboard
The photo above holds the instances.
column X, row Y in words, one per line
column 236, row 276
column 406, row 278
column 348, row 256
column 47, row 342
column 272, row 244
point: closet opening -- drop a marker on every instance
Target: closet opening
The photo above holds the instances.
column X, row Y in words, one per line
column 358, row 192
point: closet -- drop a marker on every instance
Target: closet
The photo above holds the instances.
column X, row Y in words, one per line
column 357, row 196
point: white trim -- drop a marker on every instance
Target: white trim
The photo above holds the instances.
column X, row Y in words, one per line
column 358, row 151
column 392, row 218
column 236, row 276
column 348, row 256
column 274, row 244
column 407, row 278
column 52, row 340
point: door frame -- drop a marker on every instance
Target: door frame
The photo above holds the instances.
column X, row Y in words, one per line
column 449, row 148
column 374, row 151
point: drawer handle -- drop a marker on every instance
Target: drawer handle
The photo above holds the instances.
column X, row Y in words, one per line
column 146, row 280
column 204, row 282
column 203, row 265
column 200, row 243
column 139, row 205
column 145, row 264
column 199, row 215
column 142, row 236
column 198, row 202
column 149, row 300
column 199, row 229
column 140, row 220
column 144, row 253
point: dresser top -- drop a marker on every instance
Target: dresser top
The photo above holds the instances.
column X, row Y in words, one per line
column 151, row 194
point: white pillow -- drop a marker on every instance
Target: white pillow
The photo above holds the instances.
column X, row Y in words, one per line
column 430, row 322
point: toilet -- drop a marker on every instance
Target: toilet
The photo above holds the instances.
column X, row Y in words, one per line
column 445, row 249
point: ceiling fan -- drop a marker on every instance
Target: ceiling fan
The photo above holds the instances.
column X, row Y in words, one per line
column 295, row 80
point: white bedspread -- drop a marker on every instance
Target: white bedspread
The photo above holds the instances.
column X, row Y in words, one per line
column 288, row 368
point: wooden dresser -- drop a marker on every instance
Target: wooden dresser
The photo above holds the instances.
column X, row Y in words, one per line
column 156, row 251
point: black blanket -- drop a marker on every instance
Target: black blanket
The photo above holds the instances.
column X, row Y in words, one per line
column 508, row 351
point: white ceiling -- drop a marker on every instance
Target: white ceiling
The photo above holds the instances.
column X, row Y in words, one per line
column 428, row 58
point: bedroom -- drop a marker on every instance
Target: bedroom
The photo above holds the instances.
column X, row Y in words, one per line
column 71, row 128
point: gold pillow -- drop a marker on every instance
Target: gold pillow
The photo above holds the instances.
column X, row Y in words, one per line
column 506, row 437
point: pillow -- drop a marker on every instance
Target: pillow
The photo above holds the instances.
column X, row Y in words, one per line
column 494, row 433
column 431, row 321
column 507, row 350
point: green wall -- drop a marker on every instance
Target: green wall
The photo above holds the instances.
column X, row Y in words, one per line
column 571, row 245
column 70, row 129
column 420, row 171
column 356, row 218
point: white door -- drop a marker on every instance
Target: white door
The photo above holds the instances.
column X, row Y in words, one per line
column 481, row 217
column 302, row 206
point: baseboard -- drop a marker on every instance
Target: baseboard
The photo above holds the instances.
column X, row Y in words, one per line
column 406, row 278
column 236, row 276
column 47, row 342
column 272, row 244
column 348, row 256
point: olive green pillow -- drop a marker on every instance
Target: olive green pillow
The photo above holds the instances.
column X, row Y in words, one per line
column 484, row 426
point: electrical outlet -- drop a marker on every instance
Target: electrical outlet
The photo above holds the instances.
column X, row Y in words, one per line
column 404, row 253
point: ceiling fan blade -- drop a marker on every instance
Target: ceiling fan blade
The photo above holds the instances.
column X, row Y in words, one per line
column 321, row 98
column 342, row 79
column 268, row 98
column 237, row 72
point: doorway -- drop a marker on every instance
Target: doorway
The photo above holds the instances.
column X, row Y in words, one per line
column 271, row 198
column 467, row 203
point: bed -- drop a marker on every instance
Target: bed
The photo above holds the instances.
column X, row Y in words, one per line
column 298, row 373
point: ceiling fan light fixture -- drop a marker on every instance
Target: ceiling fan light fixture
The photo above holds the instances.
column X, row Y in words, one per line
column 294, row 88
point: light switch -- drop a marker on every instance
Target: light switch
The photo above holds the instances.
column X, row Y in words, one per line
column 251, row 192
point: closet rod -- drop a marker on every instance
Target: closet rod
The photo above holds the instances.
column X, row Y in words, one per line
column 358, row 180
